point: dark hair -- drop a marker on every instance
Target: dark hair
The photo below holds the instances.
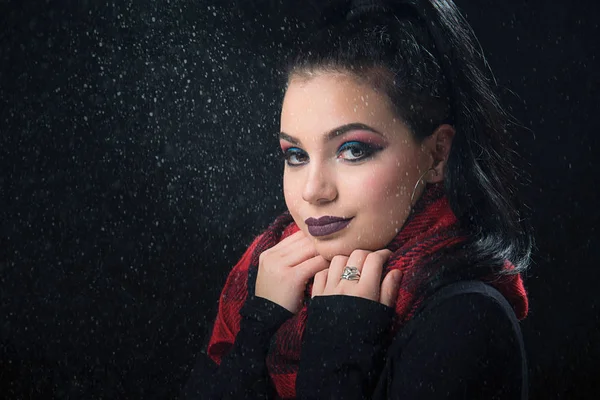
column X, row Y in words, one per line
column 423, row 56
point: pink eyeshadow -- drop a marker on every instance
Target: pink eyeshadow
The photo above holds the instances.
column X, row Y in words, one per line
column 284, row 145
column 365, row 137
column 358, row 136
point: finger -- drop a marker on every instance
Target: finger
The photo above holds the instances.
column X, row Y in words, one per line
column 298, row 251
column 309, row 268
column 291, row 239
column 293, row 250
column 290, row 243
column 357, row 259
column 390, row 288
column 285, row 246
column 319, row 283
column 335, row 271
column 372, row 269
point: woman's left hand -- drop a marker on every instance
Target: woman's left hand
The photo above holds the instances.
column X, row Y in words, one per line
column 370, row 264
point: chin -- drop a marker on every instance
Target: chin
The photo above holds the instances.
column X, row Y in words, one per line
column 330, row 249
column 340, row 247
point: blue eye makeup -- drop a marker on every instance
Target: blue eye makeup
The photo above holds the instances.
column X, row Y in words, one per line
column 357, row 151
column 294, row 156
column 352, row 152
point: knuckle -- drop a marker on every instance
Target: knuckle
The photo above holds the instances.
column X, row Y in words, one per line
column 264, row 254
column 339, row 259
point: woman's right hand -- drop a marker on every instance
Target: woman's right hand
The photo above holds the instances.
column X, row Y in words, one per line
column 284, row 270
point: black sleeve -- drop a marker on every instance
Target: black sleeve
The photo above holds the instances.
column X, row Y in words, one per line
column 464, row 348
column 342, row 348
column 242, row 373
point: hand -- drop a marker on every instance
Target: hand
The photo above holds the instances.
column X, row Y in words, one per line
column 370, row 264
column 284, row 270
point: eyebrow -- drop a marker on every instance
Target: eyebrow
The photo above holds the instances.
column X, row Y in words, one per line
column 340, row 130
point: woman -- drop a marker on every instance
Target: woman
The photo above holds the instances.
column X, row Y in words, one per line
column 395, row 271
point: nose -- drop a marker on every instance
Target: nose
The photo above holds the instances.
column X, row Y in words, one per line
column 319, row 187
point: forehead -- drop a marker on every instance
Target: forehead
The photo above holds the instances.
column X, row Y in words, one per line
column 329, row 99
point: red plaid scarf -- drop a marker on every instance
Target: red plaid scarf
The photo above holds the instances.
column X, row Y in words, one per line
column 431, row 227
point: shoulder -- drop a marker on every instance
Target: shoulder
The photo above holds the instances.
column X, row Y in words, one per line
column 466, row 342
column 475, row 313
column 469, row 300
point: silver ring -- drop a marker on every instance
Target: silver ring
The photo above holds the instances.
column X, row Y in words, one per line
column 351, row 273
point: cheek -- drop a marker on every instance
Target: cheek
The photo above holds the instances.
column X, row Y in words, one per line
column 291, row 192
column 385, row 183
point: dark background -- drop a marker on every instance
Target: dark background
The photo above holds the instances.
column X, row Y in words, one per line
column 138, row 160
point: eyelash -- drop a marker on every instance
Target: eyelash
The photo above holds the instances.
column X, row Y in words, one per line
column 367, row 150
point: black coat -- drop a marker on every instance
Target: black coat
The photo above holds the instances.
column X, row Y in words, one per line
column 463, row 343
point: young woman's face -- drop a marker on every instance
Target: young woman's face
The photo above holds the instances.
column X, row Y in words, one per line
column 347, row 157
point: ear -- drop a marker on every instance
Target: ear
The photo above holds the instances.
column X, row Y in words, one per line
column 440, row 143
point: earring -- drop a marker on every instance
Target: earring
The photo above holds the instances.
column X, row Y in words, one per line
column 419, row 181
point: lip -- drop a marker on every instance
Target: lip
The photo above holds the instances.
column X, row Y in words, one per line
column 326, row 225
column 325, row 220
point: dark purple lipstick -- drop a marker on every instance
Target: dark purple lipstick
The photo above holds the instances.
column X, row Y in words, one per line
column 326, row 225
